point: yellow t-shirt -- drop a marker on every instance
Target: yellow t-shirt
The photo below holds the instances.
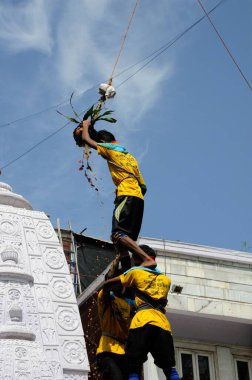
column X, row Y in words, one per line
column 155, row 286
column 126, row 185
column 114, row 314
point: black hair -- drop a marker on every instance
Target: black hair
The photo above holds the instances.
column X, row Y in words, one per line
column 147, row 249
column 105, row 136
column 78, row 136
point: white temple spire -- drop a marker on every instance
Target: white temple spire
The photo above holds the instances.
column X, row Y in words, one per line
column 7, row 197
column 41, row 335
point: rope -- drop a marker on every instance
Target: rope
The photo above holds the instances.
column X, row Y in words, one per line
column 33, row 147
column 225, row 45
column 164, row 47
column 154, row 55
column 46, row 109
column 123, row 41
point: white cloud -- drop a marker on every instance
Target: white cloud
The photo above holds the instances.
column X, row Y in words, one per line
column 79, row 57
column 84, row 37
column 142, row 91
column 88, row 36
column 25, row 26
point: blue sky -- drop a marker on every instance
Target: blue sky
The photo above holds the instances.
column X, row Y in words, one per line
column 186, row 116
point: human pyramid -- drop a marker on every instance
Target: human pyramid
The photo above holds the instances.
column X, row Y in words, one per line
column 132, row 301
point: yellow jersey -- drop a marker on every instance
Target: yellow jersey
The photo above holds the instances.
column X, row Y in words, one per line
column 124, row 171
column 114, row 314
column 153, row 284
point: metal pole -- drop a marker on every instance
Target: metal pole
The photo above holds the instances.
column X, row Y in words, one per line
column 74, row 259
column 59, row 232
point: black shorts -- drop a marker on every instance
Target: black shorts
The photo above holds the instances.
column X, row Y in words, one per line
column 128, row 215
column 112, row 366
column 153, row 339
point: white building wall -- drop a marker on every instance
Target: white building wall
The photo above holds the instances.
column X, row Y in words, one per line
column 225, row 364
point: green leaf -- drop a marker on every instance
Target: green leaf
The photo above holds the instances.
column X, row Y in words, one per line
column 75, row 113
column 107, row 113
column 109, row 119
column 69, row 118
column 88, row 113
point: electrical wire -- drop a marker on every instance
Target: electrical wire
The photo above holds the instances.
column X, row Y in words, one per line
column 91, row 88
column 154, row 55
column 45, row 109
column 225, row 45
column 166, row 46
column 33, row 147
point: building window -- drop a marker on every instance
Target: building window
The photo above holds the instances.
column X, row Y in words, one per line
column 187, row 366
column 204, row 370
column 243, row 369
column 196, row 365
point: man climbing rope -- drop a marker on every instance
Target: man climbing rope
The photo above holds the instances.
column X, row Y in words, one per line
column 150, row 330
column 125, row 173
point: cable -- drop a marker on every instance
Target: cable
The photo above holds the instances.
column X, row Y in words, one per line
column 124, row 39
column 159, row 52
column 91, row 88
column 33, row 147
column 45, row 109
column 225, row 45
column 163, row 48
column 176, row 37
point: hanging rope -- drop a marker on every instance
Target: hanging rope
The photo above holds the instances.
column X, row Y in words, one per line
column 150, row 58
column 104, row 92
column 123, row 41
column 225, row 45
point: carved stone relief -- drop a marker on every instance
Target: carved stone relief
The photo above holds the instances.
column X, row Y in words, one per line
column 38, row 270
column 49, row 334
column 74, row 352
column 53, row 358
column 31, row 242
column 45, row 230
column 54, row 258
column 76, row 375
column 27, row 222
column 67, row 319
column 62, row 287
column 10, row 254
column 27, row 291
column 43, row 299
column 14, row 294
column 9, row 227
column 14, row 303
column 32, row 322
column 23, row 360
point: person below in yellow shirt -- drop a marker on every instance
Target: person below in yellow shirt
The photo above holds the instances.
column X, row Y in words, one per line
column 115, row 313
column 150, row 330
column 130, row 185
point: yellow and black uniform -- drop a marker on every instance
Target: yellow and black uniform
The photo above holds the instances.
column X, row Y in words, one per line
column 114, row 313
column 150, row 330
column 123, row 168
column 130, row 189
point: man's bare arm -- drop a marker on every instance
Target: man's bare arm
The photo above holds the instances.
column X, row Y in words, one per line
column 85, row 134
column 111, row 282
column 126, row 241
